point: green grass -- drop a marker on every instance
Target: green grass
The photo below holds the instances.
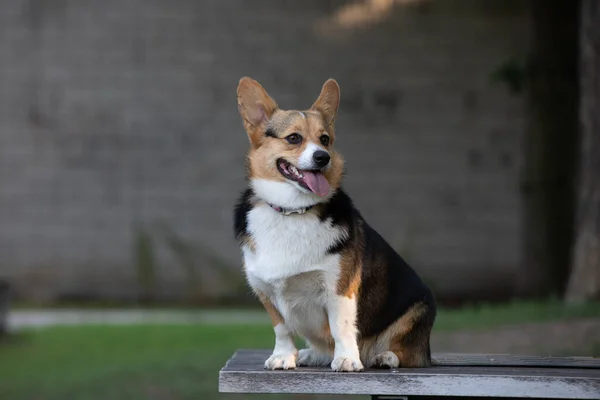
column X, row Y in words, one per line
column 488, row 316
column 141, row 361
column 180, row 361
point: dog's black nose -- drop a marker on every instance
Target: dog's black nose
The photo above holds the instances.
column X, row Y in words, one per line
column 321, row 158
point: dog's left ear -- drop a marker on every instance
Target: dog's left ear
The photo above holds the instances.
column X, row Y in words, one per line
column 328, row 102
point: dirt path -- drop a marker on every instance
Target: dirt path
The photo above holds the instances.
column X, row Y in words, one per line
column 577, row 338
column 19, row 319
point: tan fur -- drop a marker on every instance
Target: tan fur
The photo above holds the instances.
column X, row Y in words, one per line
column 350, row 274
column 249, row 242
column 411, row 352
column 260, row 112
column 275, row 316
column 404, row 338
column 327, row 336
column 354, row 286
column 326, row 329
column 406, row 323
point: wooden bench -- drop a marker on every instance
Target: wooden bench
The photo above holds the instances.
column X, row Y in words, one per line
column 457, row 375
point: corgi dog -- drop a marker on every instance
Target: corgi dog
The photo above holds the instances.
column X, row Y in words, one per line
column 319, row 269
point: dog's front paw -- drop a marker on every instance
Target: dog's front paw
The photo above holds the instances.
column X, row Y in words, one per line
column 312, row 358
column 281, row 361
column 346, row 364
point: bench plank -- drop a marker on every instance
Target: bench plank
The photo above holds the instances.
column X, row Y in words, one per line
column 510, row 360
column 458, row 375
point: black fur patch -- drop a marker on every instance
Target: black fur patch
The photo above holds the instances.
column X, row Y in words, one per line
column 393, row 287
column 340, row 211
column 338, row 246
column 240, row 214
column 339, row 208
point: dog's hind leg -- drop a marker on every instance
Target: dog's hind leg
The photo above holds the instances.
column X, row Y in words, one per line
column 313, row 357
column 408, row 345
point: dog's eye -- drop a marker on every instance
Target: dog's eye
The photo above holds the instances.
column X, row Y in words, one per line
column 294, row 138
column 325, row 140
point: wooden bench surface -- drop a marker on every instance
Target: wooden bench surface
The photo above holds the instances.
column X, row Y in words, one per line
column 458, row 375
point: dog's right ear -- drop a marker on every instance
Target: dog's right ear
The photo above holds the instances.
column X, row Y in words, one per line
column 255, row 106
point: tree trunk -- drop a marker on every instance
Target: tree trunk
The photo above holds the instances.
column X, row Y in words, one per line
column 584, row 282
column 550, row 150
column 4, row 305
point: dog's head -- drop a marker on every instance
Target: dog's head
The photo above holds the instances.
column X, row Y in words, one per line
column 291, row 162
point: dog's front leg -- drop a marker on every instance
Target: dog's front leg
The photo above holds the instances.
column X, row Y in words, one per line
column 341, row 311
column 285, row 353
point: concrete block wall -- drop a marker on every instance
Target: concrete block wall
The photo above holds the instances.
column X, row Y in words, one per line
column 122, row 114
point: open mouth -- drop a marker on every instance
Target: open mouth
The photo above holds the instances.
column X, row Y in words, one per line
column 313, row 180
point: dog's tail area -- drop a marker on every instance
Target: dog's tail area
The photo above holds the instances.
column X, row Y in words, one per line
column 432, row 361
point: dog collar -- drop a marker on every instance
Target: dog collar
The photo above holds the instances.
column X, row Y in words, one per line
column 289, row 211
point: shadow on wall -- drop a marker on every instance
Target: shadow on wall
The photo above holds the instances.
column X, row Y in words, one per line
column 203, row 268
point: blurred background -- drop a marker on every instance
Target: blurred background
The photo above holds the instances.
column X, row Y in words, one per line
column 471, row 133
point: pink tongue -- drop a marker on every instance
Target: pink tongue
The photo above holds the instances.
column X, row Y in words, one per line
column 316, row 182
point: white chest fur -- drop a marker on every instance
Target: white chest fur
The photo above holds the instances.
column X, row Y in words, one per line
column 288, row 245
column 291, row 266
